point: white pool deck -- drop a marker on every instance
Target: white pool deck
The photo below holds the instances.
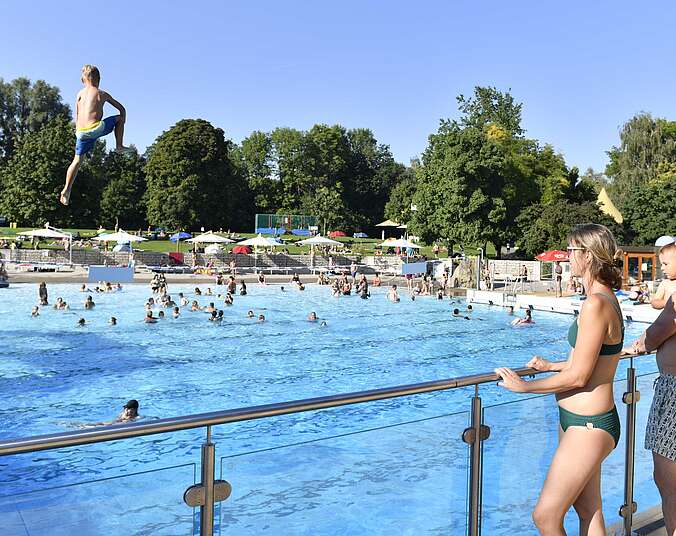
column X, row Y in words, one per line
column 566, row 305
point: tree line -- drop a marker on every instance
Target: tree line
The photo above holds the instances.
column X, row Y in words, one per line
column 480, row 179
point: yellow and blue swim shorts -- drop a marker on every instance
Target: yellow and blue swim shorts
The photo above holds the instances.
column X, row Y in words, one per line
column 86, row 137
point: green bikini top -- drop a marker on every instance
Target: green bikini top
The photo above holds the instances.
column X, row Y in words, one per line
column 606, row 349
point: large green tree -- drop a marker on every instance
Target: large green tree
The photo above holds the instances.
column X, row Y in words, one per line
column 650, row 208
column 122, row 199
column 26, row 107
column 35, row 174
column 645, row 144
column 192, row 178
column 546, row 226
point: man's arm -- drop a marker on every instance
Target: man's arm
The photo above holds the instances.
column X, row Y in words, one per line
column 109, row 98
column 663, row 328
column 660, row 298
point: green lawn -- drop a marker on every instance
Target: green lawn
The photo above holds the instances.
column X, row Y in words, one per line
column 361, row 246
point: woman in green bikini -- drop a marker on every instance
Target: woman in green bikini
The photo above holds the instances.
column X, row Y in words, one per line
column 589, row 424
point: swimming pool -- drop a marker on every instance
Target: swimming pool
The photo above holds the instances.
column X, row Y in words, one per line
column 56, row 376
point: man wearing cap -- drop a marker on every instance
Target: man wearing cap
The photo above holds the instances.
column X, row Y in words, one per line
column 129, row 412
column 667, row 245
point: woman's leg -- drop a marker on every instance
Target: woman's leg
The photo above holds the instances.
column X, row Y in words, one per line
column 575, row 462
column 588, row 507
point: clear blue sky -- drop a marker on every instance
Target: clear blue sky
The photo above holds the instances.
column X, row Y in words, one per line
column 581, row 68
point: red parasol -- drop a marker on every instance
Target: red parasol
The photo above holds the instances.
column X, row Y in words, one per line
column 553, row 255
column 241, row 249
column 334, row 234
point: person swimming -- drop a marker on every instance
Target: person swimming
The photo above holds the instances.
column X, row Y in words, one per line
column 198, row 292
column 323, row 324
column 528, row 319
column 250, row 314
column 150, row 319
column 456, row 314
column 129, row 412
column 242, row 289
column 35, row 311
column 393, row 295
column 176, row 312
column 195, row 306
column 112, row 321
column 160, row 314
column 312, row 317
column 81, row 322
column 89, row 303
column 261, row 318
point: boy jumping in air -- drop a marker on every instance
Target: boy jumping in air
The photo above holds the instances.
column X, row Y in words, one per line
column 88, row 123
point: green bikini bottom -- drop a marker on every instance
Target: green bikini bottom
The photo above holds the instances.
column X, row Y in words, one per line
column 609, row 421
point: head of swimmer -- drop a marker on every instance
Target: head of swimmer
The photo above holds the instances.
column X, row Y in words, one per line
column 90, row 75
column 129, row 410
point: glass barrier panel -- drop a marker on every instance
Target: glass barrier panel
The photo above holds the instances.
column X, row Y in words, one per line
column 406, row 478
column 146, row 502
column 524, row 437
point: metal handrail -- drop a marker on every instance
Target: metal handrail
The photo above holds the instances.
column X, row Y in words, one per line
column 200, row 420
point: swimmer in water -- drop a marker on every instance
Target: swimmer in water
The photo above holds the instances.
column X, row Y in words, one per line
column 469, row 308
column 81, row 322
column 208, row 292
column 160, row 314
column 198, row 292
column 282, row 288
column 210, row 308
column 312, row 317
column 214, row 316
column 195, row 306
column 228, row 299
column 149, row 319
column 112, row 321
column 242, row 289
column 261, row 318
column 528, row 319
column 393, row 295
column 129, row 412
column 84, row 288
column 323, row 324
column 220, row 315
column 456, row 314
column 510, row 310
column 176, row 312
column 440, row 295
column 250, row 314
column 89, row 303
column 35, row 311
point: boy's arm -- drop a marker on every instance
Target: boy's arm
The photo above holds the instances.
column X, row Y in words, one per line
column 660, row 298
column 116, row 104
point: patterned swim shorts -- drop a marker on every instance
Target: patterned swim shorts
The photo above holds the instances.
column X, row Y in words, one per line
column 660, row 435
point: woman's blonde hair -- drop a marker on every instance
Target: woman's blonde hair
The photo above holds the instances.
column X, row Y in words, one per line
column 91, row 73
column 599, row 241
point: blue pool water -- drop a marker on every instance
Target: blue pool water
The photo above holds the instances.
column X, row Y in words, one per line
column 290, row 471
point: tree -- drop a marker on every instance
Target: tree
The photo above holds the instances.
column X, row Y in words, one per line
column 192, row 179
column 650, row 209
column 398, row 207
column 545, row 227
column 489, row 106
column 326, row 204
column 34, row 175
column 122, row 200
column 26, row 108
column 645, row 144
column 260, row 170
column 458, row 198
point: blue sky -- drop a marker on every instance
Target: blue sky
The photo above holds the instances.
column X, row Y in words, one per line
column 580, row 68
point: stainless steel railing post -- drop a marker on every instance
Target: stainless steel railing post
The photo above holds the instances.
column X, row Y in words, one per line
column 474, row 437
column 208, row 466
column 630, row 398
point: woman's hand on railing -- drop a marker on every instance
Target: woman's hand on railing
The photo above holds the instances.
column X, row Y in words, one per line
column 511, row 380
column 540, row 364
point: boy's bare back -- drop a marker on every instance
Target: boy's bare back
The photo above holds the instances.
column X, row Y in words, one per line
column 90, row 101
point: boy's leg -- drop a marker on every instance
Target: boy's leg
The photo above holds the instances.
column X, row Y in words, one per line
column 70, row 178
column 119, row 135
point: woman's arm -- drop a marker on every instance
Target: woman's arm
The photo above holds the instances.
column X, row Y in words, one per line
column 576, row 372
